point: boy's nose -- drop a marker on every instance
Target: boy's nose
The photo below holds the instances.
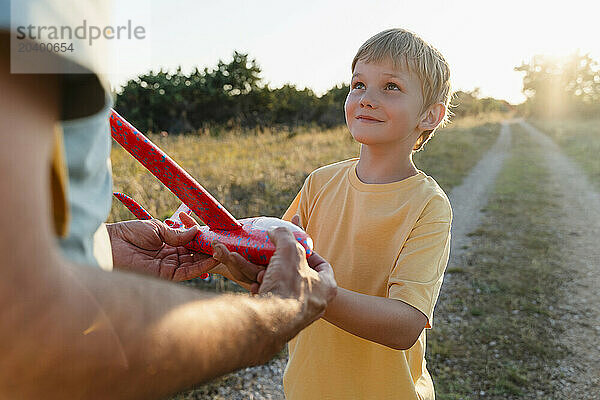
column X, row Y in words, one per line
column 366, row 101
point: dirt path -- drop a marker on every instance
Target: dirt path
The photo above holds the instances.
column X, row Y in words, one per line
column 580, row 228
column 471, row 196
column 468, row 200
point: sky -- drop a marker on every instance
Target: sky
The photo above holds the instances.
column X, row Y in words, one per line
column 311, row 43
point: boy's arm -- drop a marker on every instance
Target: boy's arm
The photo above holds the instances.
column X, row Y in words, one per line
column 414, row 283
column 389, row 322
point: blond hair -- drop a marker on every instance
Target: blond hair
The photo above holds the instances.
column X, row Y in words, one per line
column 403, row 47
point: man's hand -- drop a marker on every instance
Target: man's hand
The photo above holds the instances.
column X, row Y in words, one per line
column 151, row 247
column 289, row 274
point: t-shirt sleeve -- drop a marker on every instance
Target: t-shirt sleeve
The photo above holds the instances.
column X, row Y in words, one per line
column 417, row 275
column 292, row 209
column 300, row 204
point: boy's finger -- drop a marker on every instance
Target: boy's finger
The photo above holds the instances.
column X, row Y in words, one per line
column 247, row 268
column 238, row 276
column 260, row 276
column 296, row 220
column 316, row 262
column 235, row 263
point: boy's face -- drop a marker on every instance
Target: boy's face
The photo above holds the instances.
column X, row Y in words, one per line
column 384, row 104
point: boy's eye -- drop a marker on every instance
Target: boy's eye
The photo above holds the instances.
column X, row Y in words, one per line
column 391, row 86
column 358, row 85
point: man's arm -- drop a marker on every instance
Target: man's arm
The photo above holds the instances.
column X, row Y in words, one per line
column 69, row 331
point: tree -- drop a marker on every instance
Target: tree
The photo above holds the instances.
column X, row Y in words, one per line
column 331, row 106
column 470, row 103
column 231, row 94
column 568, row 86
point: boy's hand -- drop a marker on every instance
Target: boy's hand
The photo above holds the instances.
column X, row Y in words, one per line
column 241, row 270
column 296, row 221
column 287, row 267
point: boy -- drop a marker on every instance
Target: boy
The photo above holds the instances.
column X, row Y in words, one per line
column 385, row 228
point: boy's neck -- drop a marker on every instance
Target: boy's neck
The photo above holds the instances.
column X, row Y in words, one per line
column 380, row 165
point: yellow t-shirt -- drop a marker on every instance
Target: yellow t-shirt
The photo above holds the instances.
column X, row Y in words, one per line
column 390, row 240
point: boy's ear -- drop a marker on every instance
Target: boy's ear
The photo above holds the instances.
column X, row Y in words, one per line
column 432, row 117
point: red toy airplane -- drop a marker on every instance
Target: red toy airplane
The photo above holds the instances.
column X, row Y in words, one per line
column 248, row 237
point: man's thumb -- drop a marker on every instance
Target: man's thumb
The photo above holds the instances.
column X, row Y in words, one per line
column 281, row 236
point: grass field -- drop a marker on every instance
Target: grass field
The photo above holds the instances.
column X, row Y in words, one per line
column 260, row 174
column 579, row 139
column 496, row 337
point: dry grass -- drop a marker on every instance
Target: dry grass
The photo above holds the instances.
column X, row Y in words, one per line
column 250, row 175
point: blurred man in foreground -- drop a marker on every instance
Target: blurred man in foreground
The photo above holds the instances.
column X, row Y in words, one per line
column 68, row 330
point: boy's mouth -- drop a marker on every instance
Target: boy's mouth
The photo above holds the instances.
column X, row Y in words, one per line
column 367, row 118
